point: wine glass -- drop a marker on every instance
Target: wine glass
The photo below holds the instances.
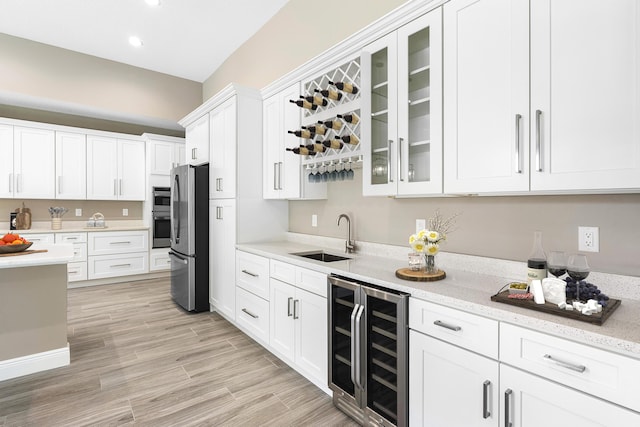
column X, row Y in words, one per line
column 557, row 263
column 577, row 269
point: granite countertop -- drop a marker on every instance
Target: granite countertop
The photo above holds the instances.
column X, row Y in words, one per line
column 55, row 254
column 471, row 292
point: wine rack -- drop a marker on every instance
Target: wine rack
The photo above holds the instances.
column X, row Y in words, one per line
column 349, row 72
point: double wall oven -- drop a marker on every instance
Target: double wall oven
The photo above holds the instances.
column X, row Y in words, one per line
column 161, row 217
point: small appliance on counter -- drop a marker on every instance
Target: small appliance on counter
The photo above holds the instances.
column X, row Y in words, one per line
column 22, row 219
column 96, row 221
column 190, row 236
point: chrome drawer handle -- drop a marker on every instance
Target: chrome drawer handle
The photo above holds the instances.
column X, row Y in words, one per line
column 250, row 313
column 485, row 399
column 573, row 367
column 249, row 273
column 508, row 395
column 447, row 326
column 120, row 265
column 119, row 243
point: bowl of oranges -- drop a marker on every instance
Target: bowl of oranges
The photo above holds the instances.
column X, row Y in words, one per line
column 11, row 242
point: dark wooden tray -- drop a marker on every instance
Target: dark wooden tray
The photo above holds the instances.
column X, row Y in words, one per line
column 596, row 319
column 420, row 275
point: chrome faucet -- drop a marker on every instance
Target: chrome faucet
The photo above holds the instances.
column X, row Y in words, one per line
column 349, row 245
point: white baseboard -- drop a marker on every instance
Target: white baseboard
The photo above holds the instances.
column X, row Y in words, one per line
column 25, row 365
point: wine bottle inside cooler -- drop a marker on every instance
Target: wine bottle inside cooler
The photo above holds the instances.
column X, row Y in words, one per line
column 330, row 93
column 345, row 87
column 350, row 118
column 303, row 103
column 304, row 133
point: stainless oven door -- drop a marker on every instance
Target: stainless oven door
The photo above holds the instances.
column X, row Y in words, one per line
column 161, row 230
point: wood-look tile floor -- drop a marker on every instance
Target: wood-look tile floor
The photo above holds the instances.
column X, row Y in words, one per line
column 139, row 359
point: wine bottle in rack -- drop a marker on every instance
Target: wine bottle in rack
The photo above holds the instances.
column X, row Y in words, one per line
column 345, row 87
column 330, row 93
column 302, row 150
column 315, row 147
column 319, row 101
column 336, row 144
column 349, row 139
column 303, row 103
column 350, row 118
column 333, row 124
column 304, row 133
column 318, row 128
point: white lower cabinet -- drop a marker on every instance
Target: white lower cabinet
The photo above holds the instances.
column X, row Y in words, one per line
column 450, row 386
column 298, row 322
column 222, row 256
column 117, row 253
column 159, row 260
column 77, row 268
column 531, row 401
column 252, row 315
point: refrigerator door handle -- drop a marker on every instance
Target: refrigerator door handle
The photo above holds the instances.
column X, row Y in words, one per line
column 179, row 258
column 358, row 357
column 176, row 209
column 353, row 343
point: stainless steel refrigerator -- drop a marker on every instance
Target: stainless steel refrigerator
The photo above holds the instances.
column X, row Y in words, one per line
column 190, row 236
column 368, row 352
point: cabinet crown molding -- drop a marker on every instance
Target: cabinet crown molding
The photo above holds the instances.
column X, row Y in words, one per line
column 227, row 92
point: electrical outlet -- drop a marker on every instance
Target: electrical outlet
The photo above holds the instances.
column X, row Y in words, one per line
column 588, row 239
column 125, row 212
column 314, row 220
column 78, row 212
column 421, row 224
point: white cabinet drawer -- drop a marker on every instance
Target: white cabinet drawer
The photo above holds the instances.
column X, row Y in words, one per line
column 117, row 242
column 159, row 261
column 283, row 271
column 466, row 330
column 311, row 281
column 38, row 238
column 79, row 252
column 76, row 271
column 71, row 238
column 118, row 265
column 598, row 372
column 252, row 315
column 252, row 273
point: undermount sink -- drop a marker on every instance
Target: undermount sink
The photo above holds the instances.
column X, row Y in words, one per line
column 321, row 256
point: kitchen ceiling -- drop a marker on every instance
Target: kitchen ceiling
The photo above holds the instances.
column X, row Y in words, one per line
column 183, row 38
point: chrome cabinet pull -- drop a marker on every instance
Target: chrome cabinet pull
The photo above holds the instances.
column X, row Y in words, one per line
column 518, row 169
column 121, row 187
column 358, row 353
column 120, row 265
column 508, row 394
column 447, row 326
column 389, row 160
column 400, row 141
column 250, row 273
column 219, row 184
column 280, row 176
column 568, row 365
column 120, row 243
column 193, row 153
column 289, row 301
column 354, row 313
column 485, row 399
column 255, row 316
column 538, row 141
column 296, row 303
column 275, row 176
column 59, row 184
column 115, row 187
column 219, row 212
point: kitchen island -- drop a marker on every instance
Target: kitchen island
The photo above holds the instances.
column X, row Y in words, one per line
column 33, row 311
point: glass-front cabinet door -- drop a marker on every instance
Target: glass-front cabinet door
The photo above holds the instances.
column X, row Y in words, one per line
column 401, row 104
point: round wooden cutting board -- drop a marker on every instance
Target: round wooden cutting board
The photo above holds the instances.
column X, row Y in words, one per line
column 420, row 275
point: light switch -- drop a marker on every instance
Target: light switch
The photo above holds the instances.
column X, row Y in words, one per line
column 78, row 212
column 314, row 220
column 125, row 212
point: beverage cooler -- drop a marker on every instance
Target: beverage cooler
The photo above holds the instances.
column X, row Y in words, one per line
column 368, row 352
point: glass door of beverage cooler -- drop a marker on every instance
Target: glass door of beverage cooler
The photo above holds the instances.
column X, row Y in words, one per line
column 387, row 356
column 342, row 301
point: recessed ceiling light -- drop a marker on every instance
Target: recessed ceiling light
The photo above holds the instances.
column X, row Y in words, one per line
column 153, row 2
column 135, row 41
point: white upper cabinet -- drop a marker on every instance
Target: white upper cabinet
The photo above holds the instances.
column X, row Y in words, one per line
column 222, row 151
column 164, row 153
column 6, row 153
column 486, row 102
column 585, row 95
column 281, row 170
column 33, row 164
column 401, row 109
column 115, row 169
column 556, row 112
column 71, row 166
column 197, row 141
